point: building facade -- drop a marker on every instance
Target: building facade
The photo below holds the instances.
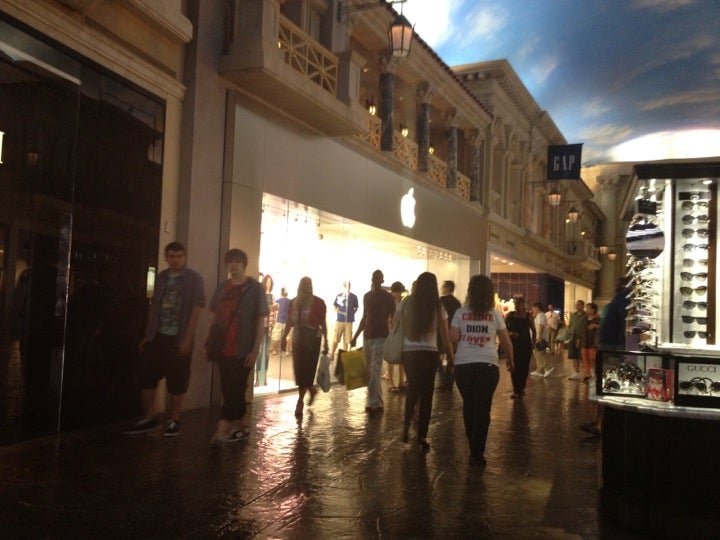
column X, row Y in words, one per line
column 288, row 130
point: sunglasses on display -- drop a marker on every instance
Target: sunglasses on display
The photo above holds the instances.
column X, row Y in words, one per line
column 689, row 304
column 699, row 383
column 691, row 247
column 688, row 233
column 693, row 262
column 689, row 205
column 687, row 291
column 690, row 319
column 689, row 275
column 691, row 334
column 612, row 386
column 687, row 220
column 715, row 387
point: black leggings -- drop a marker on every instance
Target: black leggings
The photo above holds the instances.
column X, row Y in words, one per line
column 420, row 369
column 477, row 383
column 233, row 382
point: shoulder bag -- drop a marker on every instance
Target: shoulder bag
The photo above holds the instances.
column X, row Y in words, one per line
column 215, row 342
column 392, row 349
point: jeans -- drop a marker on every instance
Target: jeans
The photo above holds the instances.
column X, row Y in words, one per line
column 373, row 350
column 477, row 383
column 420, row 368
column 233, row 381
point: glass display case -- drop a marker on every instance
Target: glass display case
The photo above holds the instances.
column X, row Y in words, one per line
column 697, row 382
column 624, row 373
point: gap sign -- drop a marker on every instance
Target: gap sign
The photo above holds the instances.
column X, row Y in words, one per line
column 564, row 162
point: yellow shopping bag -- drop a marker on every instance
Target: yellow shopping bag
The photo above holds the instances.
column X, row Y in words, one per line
column 353, row 366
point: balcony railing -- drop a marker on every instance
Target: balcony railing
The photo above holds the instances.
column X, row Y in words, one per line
column 462, row 189
column 406, row 150
column 372, row 134
column 437, row 170
column 308, row 57
column 582, row 249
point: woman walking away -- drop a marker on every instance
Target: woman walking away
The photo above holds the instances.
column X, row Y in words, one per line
column 521, row 330
column 475, row 327
column 423, row 317
column 307, row 315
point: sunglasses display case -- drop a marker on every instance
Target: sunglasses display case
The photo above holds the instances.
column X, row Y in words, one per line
column 623, row 373
column 694, row 252
column 697, row 381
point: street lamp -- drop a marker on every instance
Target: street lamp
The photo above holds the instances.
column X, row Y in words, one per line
column 554, row 197
column 573, row 215
column 400, row 32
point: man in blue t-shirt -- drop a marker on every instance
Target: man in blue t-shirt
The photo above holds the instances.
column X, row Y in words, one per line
column 346, row 304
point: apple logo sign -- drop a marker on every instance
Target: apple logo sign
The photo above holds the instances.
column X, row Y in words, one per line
column 407, row 209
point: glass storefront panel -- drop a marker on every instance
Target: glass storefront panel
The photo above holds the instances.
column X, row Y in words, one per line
column 80, row 179
column 301, row 241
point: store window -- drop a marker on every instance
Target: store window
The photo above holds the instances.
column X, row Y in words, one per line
column 80, row 185
column 336, row 253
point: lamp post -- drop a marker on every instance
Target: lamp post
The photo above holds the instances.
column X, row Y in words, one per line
column 400, row 32
column 554, row 197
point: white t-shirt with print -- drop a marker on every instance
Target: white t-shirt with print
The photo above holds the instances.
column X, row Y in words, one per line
column 477, row 336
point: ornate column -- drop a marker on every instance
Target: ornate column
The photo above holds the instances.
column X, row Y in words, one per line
column 388, row 65
column 452, row 119
column 610, row 271
column 476, row 139
column 424, row 96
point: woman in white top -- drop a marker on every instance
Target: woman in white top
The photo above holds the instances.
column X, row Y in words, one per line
column 474, row 328
column 423, row 315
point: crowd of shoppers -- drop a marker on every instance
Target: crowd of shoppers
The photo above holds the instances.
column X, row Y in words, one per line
column 464, row 342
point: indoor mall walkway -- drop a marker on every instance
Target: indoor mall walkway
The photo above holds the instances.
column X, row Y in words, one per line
column 337, row 474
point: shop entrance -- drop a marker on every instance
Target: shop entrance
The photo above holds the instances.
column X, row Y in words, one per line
column 301, row 241
column 80, row 185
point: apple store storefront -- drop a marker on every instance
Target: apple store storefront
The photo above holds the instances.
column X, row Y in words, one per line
column 335, row 252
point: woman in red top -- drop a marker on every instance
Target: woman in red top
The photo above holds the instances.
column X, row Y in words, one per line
column 307, row 315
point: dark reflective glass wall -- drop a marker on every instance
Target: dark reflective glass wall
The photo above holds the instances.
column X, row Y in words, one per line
column 80, row 186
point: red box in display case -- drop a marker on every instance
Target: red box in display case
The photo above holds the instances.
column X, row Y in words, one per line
column 659, row 385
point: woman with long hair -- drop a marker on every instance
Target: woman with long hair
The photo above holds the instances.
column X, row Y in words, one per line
column 475, row 328
column 307, row 315
column 423, row 316
column 521, row 331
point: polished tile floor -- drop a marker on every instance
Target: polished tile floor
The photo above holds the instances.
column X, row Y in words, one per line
column 338, row 473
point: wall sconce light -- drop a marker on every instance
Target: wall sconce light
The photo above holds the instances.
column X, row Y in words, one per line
column 554, row 197
column 400, row 32
column 603, row 249
column 573, row 215
column 404, row 130
column 612, row 255
column 583, row 232
column 431, row 150
column 372, row 109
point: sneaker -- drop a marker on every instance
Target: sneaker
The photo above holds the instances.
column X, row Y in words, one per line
column 536, row 373
column 575, row 377
column 143, row 426
column 172, row 429
column 239, row 434
column 548, row 372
